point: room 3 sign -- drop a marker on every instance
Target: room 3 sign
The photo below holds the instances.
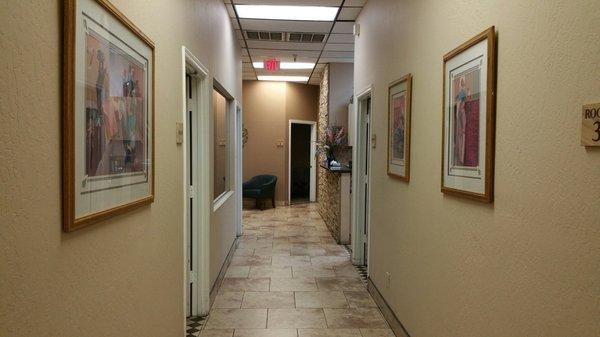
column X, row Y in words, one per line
column 590, row 125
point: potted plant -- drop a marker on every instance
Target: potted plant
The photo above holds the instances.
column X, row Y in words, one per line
column 334, row 139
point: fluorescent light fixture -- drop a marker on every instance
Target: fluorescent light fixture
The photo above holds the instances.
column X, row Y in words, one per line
column 287, row 65
column 307, row 13
column 284, row 78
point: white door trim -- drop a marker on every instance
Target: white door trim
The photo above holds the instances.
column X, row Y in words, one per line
column 313, row 160
column 200, row 237
column 238, row 166
column 359, row 216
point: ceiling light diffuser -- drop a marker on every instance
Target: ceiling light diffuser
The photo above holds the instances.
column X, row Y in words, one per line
column 284, row 78
column 287, row 65
column 296, row 13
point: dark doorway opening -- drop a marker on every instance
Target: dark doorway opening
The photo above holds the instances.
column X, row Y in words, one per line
column 300, row 163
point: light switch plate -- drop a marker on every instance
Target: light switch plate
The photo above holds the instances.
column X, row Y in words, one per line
column 179, row 133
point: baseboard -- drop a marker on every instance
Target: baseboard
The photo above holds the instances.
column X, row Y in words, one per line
column 387, row 312
column 215, row 288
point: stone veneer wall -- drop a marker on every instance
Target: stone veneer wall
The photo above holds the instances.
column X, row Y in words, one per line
column 328, row 192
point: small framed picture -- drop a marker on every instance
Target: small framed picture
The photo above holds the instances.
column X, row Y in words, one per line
column 469, row 118
column 399, row 106
column 108, row 114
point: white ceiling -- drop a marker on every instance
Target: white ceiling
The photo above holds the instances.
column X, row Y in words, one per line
column 338, row 45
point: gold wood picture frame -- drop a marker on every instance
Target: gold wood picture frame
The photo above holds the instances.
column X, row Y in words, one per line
column 468, row 118
column 399, row 115
column 108, row 114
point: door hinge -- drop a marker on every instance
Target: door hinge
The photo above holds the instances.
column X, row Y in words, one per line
column 191, row 192
column 191, row 276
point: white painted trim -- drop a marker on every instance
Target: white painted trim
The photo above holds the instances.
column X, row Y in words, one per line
column 222, row 199
column 358, row 208
column 313, row 159
column 239, row 120
column 201, row 227
column 231, row 145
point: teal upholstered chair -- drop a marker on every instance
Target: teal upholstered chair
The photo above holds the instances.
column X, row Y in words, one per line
column 261, row 187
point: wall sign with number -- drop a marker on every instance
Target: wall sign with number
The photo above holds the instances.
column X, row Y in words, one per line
column 590, row 127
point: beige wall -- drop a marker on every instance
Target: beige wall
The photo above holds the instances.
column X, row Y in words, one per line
column 268, row 107
column 341, row 76
column 528, row 264
column 121, row 277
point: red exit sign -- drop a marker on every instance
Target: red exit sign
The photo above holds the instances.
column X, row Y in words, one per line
column 271, row 65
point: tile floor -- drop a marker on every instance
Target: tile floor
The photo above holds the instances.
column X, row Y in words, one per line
column 288, row 278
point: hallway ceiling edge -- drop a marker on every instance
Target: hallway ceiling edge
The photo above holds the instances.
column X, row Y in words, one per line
column 317, row 42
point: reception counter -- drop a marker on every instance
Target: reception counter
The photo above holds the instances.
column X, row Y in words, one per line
column 335, row 200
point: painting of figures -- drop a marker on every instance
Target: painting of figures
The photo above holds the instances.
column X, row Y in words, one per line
column 399, row 109
column 398, row 127
column 108, row 114
column 114, row 97
column 465, row 120
column 469, row 112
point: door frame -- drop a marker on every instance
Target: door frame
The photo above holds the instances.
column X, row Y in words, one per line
column 361, row 212
column 200, row 226
column 239, row 120
column 313, row 159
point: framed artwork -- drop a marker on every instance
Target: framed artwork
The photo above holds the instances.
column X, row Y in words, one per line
column 108, row 114
column 469, row 118
column 399, row 106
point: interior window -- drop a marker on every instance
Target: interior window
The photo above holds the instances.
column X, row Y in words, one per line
column 221, row 144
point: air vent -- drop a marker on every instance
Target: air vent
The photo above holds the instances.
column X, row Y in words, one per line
column 264, row 36
column 306, row 37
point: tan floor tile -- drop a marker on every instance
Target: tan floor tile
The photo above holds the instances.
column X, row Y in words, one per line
column 329, row 333
column 338, row 283
column 355, row 318
column 320, row 299
column 228, row 300
column 244, row 252
column 377, row 333
column 272, row 251
column 267, row 271
column 296, row 318
column 330, row 261
column 251, row 261
column 310, row 271
column 359, row 299
column 216, row 333
column 270, row 300
column 237, row 271
column 346, row 271
column 265, row 333
column 245, row 284
column 293, row 284
column 291, row 261
column 237, row 319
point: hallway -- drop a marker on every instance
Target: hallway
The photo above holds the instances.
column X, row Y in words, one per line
column 288, row 278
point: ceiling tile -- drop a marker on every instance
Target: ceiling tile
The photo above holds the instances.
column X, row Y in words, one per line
column 258, row 53
column 333, row 3
column 336, row 60
column 284, row 45
column 343, row 27
column 355, row 3
column 338, row 54
column 349, row 13
column 341, row 38
column 286, row 26
column 340, row 46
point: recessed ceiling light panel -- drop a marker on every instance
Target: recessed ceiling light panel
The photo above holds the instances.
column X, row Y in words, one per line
column 296, row 13
column 287, row 65
column 284, row 78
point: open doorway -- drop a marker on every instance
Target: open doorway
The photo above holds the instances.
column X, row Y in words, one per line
column 361, row 180
column 302, row 162
column 196, row 180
